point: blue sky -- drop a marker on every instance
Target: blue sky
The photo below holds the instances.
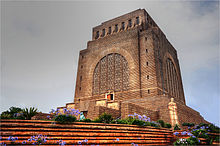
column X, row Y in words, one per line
column 41, row 40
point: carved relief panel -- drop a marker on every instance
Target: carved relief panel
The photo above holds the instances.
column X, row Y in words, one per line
column 111, row 73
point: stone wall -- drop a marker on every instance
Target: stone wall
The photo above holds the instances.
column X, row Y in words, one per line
column 187, row 114
column 131, row 108
column 98, row 110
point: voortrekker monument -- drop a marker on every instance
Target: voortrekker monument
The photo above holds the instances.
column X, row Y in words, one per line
column 130, row 67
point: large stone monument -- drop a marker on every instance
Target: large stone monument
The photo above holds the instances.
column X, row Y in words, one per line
column 130, row 67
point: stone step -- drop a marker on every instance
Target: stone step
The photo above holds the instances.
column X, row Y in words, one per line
column 95, row 134
column 106, row 142
column 94, row 138
column 76, row 130
column 78, row 123
column 85, row 126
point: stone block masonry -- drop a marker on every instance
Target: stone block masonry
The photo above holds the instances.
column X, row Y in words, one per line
column 130, row 66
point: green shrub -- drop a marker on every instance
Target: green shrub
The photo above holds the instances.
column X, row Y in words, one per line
column 97, row 121
column 138, row 122
column 154, row 124
column 209, row 127
column 147, row 124
column 133, row 121
column 188, row 124
column 12, row 113
column 213, row 129
column 193, row 141
column 14, row 110
column 167, row 125
column 202, row 131
column 176, row 127
column 105, row 118
column 217, row 139
column 130, row 120
column 203, row 124
column 86, row 120
column 64, row 119
column 119, row 121
column 29, row 113
column 5, row 115
column 161, row 122
column 188, row 141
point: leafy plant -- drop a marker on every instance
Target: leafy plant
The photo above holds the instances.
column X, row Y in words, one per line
column 161, row 122
column 188, row 141
column 37, row 140
column 29, row 113
column 130, row 120
column 199, row 131
column 154, row 124
column 5, row 115
column 167, row 125
column 97, row 120
column 86, row 120
column 176, row 127
column 139, row 122
column 202, row 133
column 217, row 139
column 63, row 119
column 188, row 124
column 193, row 140
column 105, row 118
column 12, row 113
column 12, row 139
column 212, row 128
column 148, row 124
column 120, row 121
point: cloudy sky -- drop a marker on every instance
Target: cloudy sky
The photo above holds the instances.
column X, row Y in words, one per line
column 41, row 40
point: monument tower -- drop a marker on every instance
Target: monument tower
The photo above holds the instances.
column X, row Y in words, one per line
column 129, row 67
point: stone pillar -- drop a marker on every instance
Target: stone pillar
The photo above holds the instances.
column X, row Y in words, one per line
column 173, row 112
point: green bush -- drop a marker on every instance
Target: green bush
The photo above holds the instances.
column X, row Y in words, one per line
column 14, row 110
column 209, row 127
column 217, row 139
column 176, row 127
column 130, row 120
column 213, row 129
column 154, row 124
column 105, row 118
column 12, row 113
column 5, row 115
column 97, row 121
column 147, row 124
column 202, row 131
column 188, row 124
column 193, row 141
column 167, row 125
column 86, row 120
column 64, row 119
column 29, row 113
column 139, row 122
column 161, row 122
column 18, row 113
column 119, row 121
column 188, row 141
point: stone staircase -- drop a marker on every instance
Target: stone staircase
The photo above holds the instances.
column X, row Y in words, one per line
column 81, row 133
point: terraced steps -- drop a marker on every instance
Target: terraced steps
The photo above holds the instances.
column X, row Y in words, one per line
column 94, row 133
